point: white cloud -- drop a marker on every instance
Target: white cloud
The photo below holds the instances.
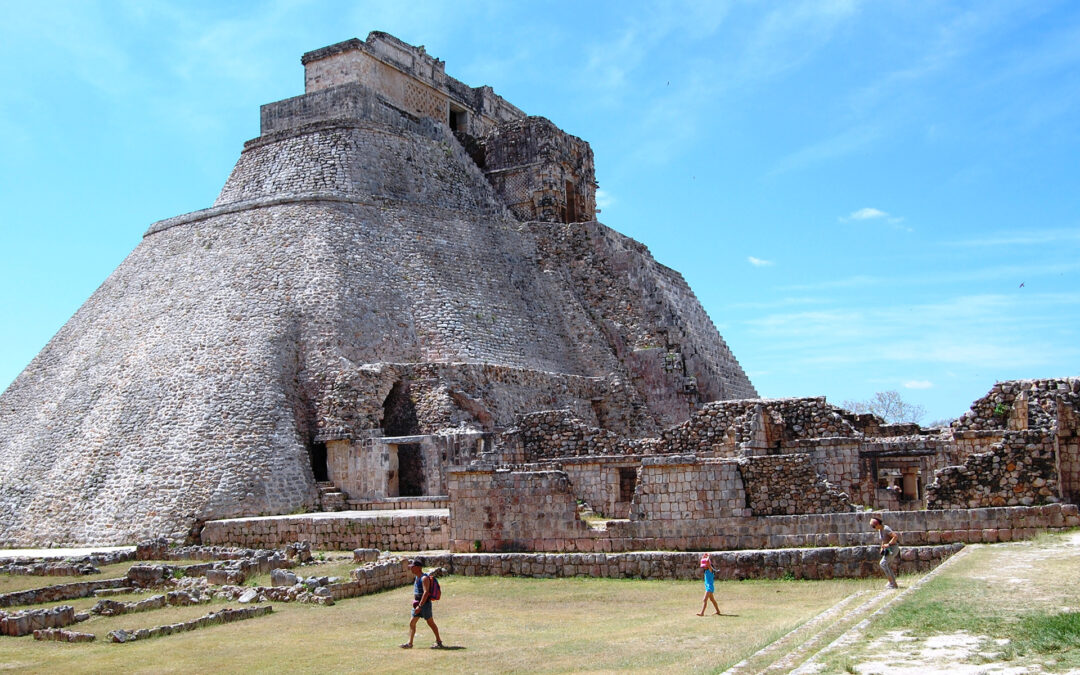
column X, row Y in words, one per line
column 867, row 214
column 918, row 384
column 604, row 199
column 758, row 262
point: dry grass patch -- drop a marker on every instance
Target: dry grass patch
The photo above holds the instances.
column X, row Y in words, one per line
column 1016, row 604
column 499, row 625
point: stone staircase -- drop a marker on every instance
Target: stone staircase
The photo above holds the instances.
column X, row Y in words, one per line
column 331, row 498
column 800, row 652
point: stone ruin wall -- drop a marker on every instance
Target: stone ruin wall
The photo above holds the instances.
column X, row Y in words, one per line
column 658, row 520
column 606, row 484
column 1020, row 470
column 779, row 485
column 540, row 172
column 1018, row 404
column 687, row 494
column 513, row 510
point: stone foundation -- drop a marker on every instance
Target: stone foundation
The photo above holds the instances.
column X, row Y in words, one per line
column 405, row 532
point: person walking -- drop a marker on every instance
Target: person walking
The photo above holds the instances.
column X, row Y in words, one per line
column 422, row 589
column 890, row 547
column 710, row 585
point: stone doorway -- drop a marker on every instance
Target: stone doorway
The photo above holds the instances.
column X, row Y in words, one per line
column 410, row 470
column 317, row 455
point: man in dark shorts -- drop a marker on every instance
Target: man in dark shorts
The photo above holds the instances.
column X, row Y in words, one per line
column 422, row 587
column 890, row 546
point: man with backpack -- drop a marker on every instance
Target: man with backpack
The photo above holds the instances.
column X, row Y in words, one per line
column 425, row 589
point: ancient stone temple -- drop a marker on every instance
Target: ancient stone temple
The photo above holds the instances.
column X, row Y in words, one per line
column 399, row 267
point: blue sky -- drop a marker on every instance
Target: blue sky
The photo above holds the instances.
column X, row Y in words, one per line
column 864, row 195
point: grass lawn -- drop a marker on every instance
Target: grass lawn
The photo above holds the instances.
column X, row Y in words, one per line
column 1016, row 603
column 494, row 624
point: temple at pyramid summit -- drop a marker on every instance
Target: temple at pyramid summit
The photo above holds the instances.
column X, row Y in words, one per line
column 401, row 300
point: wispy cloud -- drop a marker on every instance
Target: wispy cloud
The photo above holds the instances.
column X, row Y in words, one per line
column 867, row 214
column 758, row 262
column 1024, row 238
column 918, row 384
column 847, row 142
column 974, row 331
column 870, row 213
column 604, row 199
column 1004, row 273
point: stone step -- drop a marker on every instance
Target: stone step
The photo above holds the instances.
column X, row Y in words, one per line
column 796, row 647
column 857, row 630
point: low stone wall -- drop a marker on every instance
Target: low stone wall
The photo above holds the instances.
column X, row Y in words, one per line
column 160, row 549
column 172, row 599
column 213, row 618
column 27, row 621
column 806, row 563
column 372, row 578
column 389, row 532
column 61, row 635
column 50, row 569
column 78, row 589
column 1020, row 470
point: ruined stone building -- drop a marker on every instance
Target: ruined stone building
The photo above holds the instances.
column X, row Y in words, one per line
column 397, row 269
column 401, row 297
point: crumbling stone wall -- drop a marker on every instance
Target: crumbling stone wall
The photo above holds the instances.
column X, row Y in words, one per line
column 1018, row 405
column 555, row 434
column 541, row 172
column 788, row 484
column 607, row 484
column 718, row 519
column 837, row 461
column 1021, row 470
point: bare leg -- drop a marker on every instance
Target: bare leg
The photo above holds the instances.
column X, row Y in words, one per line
column 712, row 599
column 704, row 603
column 434, row 629
column 412, row 630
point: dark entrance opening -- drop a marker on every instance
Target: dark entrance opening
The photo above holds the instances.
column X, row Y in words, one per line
column 410, row 470
column 571, row 203
column 399, row 412
column 627, row 482
column 457, row 119
column 317, row 455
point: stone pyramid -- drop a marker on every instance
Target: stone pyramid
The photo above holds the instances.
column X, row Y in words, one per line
column 396, row 254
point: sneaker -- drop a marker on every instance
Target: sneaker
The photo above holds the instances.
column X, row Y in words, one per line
column 892, row 586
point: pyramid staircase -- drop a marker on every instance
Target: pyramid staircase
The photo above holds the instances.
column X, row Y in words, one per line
column 330, row 497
